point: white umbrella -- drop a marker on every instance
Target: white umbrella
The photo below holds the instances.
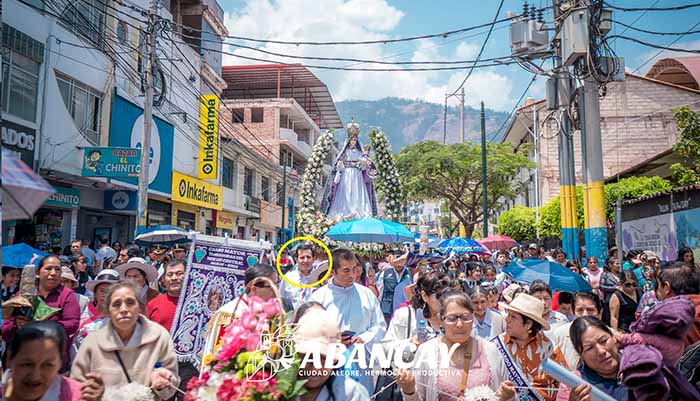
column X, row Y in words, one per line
column 23, row 191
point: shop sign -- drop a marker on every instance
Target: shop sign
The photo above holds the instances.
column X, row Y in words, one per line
column 68, row 198
column 111, row 162
column 224, row 220
column 126, row 130
column 120, row 200
column 20, row 140
column 208, row 136
column 196, row 192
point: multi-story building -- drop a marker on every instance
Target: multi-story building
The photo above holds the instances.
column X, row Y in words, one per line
column 278, row 111
column 73, row 80
column 638, row 134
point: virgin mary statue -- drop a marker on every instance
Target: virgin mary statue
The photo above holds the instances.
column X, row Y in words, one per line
column 350, row 194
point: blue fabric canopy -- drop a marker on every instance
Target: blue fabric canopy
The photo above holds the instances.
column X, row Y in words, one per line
column 461, row 245
column 558, row 277
column 370, row 230
column 19, row 255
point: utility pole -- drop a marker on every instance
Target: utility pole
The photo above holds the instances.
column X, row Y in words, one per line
column 444, row 123
column 596, row 229
column 461, row 120
column 483, row 170
column 283, row 235
column 535, row 127
column 142, row 218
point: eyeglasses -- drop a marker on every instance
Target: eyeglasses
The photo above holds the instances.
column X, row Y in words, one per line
column 465, row 318
column 630, row 285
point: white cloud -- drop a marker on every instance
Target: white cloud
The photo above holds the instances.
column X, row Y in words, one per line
column 360, row 20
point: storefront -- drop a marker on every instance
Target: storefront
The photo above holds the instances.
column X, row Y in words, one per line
column 53, row 225
column 193, row 202
column 224, row 223
column 159, row 212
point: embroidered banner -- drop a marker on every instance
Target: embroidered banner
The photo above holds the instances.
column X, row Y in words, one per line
column 214, row 276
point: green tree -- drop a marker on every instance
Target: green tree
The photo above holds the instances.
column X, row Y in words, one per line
column 687, row 172
column 432, row 170
column 518, row 223
column 448, row 226
column 625, row 189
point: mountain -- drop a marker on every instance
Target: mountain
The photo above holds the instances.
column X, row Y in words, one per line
column 407, row 121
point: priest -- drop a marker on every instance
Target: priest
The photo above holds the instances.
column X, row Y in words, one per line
column 356, row 306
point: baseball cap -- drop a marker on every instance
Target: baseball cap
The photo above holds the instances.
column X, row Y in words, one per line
column 532, row 246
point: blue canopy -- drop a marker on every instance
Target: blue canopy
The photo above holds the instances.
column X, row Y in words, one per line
column 558, row 277
column 19, row 255
column 461, row 245
column 370, row 230
column 162, row 235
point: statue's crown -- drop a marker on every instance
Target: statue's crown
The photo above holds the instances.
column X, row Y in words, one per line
column 353, row 129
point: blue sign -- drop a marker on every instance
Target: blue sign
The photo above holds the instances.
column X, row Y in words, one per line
column 111, row 162
column 126, row 131
column 121, row 200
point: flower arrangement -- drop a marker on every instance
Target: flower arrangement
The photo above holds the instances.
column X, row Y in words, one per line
column 308, row 220
column 388, row 183
column 255, row 362
column 480, row 393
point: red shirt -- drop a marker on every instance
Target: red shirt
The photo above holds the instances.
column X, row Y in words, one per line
column 161, row 310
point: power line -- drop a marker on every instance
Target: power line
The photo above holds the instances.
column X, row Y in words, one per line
column 653, row 32
column 660, row 51
column 515, row 107
column 353, row 60
column 367, row 42
column 675, row 49
column 483, row 46
column 671, row 8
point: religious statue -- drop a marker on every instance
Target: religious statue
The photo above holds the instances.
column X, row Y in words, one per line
column 350, row 192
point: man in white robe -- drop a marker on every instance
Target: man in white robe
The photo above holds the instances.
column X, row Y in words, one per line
column 357, row 308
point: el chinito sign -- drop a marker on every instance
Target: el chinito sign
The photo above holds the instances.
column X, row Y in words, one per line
column 208, row 136
column 111, row 162
column 192, row 191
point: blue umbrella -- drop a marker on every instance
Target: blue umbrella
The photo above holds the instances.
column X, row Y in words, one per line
column 162, row 235
column 370, row 230
column 19, row 255
column 558, row 277
column 461, row 245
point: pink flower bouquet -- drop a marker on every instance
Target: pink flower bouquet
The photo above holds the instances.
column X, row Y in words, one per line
column 256, row 360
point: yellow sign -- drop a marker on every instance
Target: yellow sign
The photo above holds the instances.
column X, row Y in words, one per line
column 224, row 220
column 192, row 191
column 208, row 136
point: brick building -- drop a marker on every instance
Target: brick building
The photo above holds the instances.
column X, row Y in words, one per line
column 638, row 133
column 278, row 111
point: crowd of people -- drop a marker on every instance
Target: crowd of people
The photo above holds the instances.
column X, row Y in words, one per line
column 634, row 336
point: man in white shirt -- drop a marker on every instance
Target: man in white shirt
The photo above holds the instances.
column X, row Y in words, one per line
column 539, row 289
column 301, row 274
column 357, row 308
column 585, row 304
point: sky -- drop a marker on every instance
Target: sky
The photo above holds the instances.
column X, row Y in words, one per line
column 498, row 87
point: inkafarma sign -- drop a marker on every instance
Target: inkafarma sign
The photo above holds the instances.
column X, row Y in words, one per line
column 196, row 192
column 208, row 136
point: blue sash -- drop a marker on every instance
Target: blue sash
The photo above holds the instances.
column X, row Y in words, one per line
column 524, row 392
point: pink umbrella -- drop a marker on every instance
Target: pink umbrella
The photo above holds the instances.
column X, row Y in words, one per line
column 495, row 242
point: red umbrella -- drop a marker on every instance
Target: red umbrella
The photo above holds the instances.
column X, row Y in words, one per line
column 495, row 242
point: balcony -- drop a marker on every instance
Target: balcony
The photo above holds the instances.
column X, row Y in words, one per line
column 289, row 137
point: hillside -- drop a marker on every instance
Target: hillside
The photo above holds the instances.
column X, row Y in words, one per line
column 409, row 121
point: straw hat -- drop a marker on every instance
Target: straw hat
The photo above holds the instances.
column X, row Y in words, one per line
column 139, row 264
column 529, row 306
column 316, row 329
column 67, row 273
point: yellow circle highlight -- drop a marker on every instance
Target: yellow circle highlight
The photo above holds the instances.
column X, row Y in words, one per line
column 299, row 285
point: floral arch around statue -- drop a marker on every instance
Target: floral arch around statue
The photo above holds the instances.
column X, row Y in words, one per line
column 351, row 186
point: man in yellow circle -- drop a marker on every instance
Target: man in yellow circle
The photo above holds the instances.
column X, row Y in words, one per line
column 302, row 273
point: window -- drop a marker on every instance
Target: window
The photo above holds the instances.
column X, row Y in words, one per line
column 19, row 96
column 280, row 195
column 84, row 18
column 257, row 115
column 228, row 173
column 238, row 115
column 248, row 182
column 83, row 103
column 265, row 188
